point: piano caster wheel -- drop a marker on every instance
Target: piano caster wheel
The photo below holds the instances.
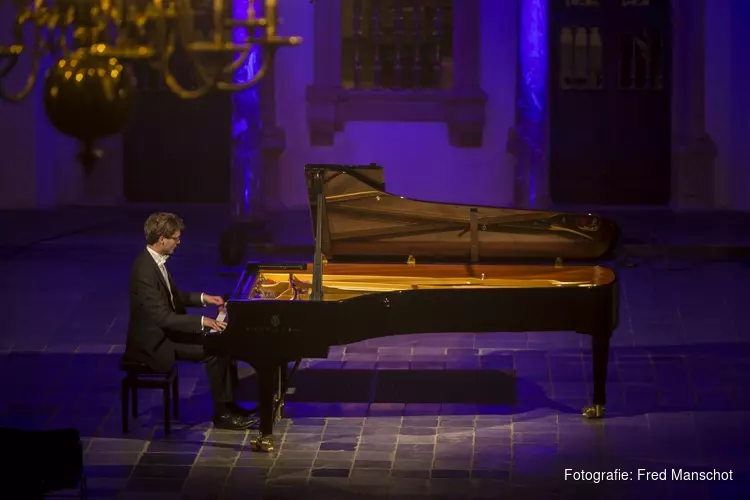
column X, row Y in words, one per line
column 262, row 443
column 594, row 411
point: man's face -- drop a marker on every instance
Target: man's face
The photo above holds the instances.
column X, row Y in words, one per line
column 168, row 245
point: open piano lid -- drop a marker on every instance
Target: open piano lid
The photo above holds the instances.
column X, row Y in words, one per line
column 363, row 222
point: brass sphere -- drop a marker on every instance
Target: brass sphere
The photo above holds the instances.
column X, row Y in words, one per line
column 88, row 98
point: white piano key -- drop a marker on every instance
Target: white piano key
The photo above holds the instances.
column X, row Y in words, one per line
column 221, row 317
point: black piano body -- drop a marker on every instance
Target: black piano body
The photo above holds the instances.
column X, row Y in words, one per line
column 388, row 265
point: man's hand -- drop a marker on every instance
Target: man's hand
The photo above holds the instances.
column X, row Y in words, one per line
column 212, row 324
column 214, row 300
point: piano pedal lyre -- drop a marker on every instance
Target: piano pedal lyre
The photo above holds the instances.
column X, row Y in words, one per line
column 278, row 408
column 594, row 411
column 282, row 389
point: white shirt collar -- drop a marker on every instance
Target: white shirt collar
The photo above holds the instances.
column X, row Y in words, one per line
column 158, row 258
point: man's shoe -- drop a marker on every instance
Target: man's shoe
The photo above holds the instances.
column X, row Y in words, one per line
column 232, row 422
column 238, row 410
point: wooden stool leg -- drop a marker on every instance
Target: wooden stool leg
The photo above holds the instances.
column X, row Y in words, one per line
column 125, row 395
column 167, row 409
column 134, row 397
column 84, row 488
column 176, row 398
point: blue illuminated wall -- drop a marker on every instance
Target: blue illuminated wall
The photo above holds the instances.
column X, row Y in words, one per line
column 246, row 179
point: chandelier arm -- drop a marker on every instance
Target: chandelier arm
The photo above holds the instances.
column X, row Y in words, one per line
column 120, row 20
column 36, row 59
column 202, row 72
column 242, row 59
column 184, row 14
column 12, row 61
column 182, row 93
column 236, row 87
column 162, row 33
column 171, row 81
column 162, row 38
column 218, row 22
column 67, row 44
column 62, row 42
column 235, row 65
column 201, row 69
column 249, row 25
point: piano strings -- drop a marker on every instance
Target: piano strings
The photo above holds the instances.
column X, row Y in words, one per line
column 299, row 286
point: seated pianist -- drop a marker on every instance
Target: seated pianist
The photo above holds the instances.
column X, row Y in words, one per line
column 160, row 331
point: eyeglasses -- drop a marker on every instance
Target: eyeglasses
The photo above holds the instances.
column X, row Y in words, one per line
column 175, row 238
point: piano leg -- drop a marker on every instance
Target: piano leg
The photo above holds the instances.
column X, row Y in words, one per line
column 267, row 385
column 600, row 354
column 278, row 401
column 273, row 383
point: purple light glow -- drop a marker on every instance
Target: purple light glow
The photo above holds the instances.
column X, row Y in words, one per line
column 532, row 93
column 246, row 125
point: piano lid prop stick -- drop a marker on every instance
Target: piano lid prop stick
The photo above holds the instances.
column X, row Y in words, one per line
column 317, row 293
column 473, row 228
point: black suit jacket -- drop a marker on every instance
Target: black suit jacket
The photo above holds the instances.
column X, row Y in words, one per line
column 154, row 323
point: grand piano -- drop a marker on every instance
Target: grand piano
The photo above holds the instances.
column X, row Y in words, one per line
column 388, row 265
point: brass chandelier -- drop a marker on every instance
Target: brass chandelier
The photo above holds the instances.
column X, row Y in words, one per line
column 89, row 89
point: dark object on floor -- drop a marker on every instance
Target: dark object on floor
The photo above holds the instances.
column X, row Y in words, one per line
column 407, row 386
column 41, row 462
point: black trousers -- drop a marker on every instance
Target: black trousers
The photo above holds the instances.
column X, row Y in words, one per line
column 221, row 372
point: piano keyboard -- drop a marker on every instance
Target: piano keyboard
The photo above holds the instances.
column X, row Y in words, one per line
column 221, row 317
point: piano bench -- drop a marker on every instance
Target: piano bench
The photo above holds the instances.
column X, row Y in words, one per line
column 140, row 376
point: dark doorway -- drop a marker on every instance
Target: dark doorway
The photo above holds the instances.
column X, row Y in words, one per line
column 610, row 114
column 177, row 150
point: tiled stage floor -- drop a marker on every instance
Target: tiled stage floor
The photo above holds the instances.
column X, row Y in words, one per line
column 679, row 390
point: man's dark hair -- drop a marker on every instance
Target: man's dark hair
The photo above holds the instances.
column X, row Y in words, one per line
column 161, row 224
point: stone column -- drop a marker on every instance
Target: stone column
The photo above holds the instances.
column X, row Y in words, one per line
column 272, row 143
column 257, row 140
column 528, row 140
column 247, row 166
column 693, row 150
